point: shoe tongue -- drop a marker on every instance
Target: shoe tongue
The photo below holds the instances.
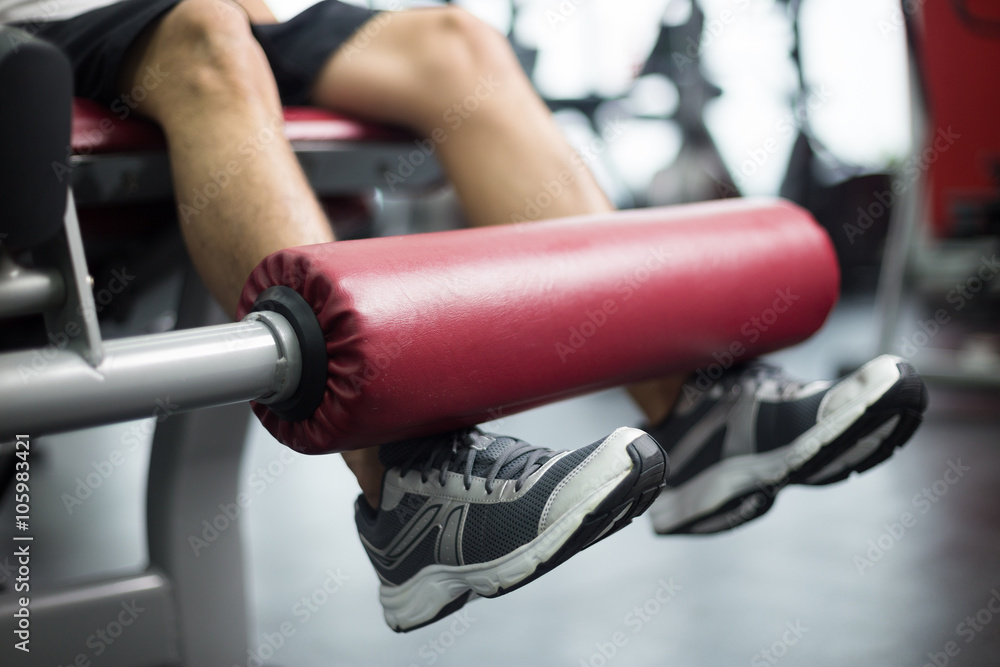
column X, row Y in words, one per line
column 485, row 458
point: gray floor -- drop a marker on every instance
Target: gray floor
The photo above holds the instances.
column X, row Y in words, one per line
column 829, row 577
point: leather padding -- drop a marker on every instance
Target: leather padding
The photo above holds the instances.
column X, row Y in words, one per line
column 432, row 332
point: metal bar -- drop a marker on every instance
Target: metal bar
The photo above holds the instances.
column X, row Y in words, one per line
column 194, row 469
column 904, row 227
column 332, row 168
column 54, row 389
column 128, row 622
column 194, row 479
column 74, row 321
column 26, row 291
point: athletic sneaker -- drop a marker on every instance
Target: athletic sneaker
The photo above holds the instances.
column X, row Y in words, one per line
column 470, row 514
column 733, row 446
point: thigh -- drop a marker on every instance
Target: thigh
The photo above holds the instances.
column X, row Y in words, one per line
column 409, row 67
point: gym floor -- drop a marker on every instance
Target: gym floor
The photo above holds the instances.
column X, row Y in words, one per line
column 900, row 566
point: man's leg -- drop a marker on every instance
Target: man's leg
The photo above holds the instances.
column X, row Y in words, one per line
column 240, row 190
column 516, row 510
column 456, row 81
column 219, row 108
column 486, row 514
column 733, row 444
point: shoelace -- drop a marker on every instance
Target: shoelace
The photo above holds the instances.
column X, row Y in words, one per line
column 763, row 372
column 468, row 444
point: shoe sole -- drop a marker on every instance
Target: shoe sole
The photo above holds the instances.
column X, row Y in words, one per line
column 438, row 590
column 870, row 425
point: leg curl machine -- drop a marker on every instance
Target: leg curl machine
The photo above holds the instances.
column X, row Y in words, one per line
column 344, row 345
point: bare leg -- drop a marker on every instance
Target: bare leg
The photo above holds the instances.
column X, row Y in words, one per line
column 219, row 108
column 498, row 145
column 240, row 190
column 454, row 79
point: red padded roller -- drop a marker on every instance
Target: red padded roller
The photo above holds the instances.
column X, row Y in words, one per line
column 436, row 331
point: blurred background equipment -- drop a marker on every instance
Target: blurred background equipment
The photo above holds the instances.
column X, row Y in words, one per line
column 939, row 296
column 879, row 116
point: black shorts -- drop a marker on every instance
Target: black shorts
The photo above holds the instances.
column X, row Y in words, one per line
column 96, row 43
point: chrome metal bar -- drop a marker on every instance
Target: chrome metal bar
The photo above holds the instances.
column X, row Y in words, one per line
column 54, row 389
column 74, row 320
column 194, row 466
column 26, row 291
column 904, row 228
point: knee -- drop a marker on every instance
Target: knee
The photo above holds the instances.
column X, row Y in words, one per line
column 212, row 52
column 453, row 49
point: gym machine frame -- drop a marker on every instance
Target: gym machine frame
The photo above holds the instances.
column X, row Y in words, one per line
column 207, row 368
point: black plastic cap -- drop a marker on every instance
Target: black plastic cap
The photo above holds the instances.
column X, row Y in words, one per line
column 312, row 383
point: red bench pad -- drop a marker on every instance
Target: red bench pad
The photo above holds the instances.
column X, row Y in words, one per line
column 97, row 129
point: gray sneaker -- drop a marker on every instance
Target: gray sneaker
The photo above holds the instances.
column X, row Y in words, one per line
column 735, row 444
column 470, row 514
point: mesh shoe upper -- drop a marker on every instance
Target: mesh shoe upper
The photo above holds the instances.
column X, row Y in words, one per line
column 742, row 438
column 749, row 410
column 459, row 499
